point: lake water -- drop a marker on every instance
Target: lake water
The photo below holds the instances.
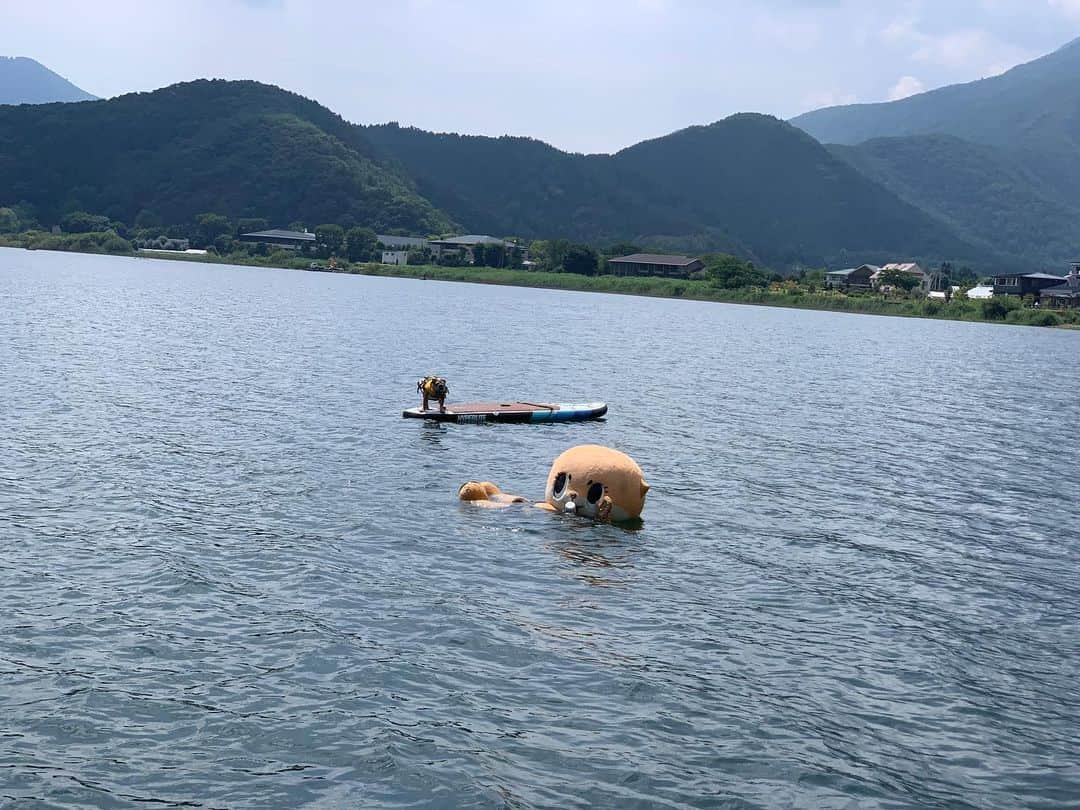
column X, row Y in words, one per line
column 234, row 576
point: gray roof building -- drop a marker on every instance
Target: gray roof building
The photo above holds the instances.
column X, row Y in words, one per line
column 471, row 240
column 278, row 236
column 861, row 276
column 1067, row 294
column 656, row 258
column 390, row 241
column 654, row 264
column 1024, row 283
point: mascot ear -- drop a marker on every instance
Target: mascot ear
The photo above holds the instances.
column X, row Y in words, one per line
column 644, row 488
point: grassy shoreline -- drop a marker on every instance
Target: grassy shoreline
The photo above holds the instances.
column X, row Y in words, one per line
column 788, row 294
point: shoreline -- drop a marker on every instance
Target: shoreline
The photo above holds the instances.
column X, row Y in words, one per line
column 641, row 286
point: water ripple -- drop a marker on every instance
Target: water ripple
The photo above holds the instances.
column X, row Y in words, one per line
column 234, row 577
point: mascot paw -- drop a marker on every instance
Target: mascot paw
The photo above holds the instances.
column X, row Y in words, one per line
column 486, row 494
column 603, row 509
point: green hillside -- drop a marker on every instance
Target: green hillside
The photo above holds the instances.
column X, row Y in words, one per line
column 1035, row 101
column 786, row 195
column 25, row 81
column 526, row 187
column 979, row 190
column 1032, row 113
column 241, row 149
column 751, row 185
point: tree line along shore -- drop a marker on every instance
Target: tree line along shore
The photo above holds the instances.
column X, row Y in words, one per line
column 554, row 264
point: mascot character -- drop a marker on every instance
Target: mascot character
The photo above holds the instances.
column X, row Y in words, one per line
column 589, row 480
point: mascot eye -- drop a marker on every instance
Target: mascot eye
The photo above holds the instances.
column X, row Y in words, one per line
column 596, row 492
column 559, row 486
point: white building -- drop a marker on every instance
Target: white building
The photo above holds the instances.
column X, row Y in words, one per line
column 395, row 257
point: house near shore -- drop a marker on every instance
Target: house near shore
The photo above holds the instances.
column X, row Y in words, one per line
column 465, row 245
column 854, row 278
column 910, row 268
column 290, row 240
column 1063, row 296
column 1025, row 283
column 397, row 257
column 655, row 264
column 390, row 242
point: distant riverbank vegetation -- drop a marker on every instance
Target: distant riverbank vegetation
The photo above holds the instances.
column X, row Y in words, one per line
column 553, row 264
column 805, row 292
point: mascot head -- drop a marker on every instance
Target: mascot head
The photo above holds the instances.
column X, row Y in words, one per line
column 596, row 482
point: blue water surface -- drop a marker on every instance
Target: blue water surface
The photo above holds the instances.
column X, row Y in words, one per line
column 233, row 576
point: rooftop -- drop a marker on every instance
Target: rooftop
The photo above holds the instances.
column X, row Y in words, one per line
column 1029, row 275
column 471, row 239
column 1062, row 291
column 905, row 267
column 412, row 241
column 278, row 233
column 655, row 258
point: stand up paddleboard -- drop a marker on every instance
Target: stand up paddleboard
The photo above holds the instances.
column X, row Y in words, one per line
column 479, row 413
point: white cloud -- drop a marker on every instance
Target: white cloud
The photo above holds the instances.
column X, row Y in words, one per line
column 906, row 86
column 961, row 54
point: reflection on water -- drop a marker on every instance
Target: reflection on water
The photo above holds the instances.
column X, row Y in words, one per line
column 234, row 575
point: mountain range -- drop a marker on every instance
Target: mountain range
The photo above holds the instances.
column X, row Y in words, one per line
column 980, row 173
column 237, row 148
column 997, row 159
column 750, row 185
column 25, row 81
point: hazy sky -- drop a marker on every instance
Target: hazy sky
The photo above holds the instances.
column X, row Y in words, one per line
column 585, row 75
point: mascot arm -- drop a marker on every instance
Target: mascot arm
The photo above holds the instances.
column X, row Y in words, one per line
column 485, row 494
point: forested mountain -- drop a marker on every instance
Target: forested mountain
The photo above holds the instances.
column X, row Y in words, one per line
column 983, row 172
column 525, row 187
column 983, row 193
column 785, row 195
column 1030, row 116
column 749, row 184
column 241, row 149
column 25, row 81
column 1033, row 103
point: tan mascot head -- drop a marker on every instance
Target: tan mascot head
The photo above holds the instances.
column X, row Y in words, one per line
column 596, row 482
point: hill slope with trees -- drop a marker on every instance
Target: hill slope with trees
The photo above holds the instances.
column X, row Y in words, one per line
column 750, row 185
column 1034, row 102
column 525, row 187
column 240, row 149
column 1030, row 114
column 979, row 190
column 785, row 195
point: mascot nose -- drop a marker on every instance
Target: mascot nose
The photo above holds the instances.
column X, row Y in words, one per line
column 571, row 502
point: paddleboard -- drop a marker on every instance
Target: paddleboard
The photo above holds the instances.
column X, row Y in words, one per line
column 479, row 413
